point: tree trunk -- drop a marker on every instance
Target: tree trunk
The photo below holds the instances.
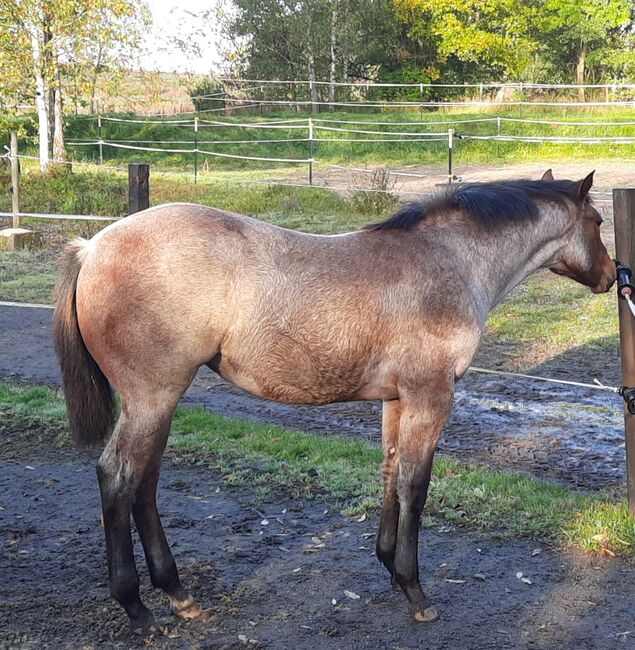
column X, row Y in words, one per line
column 333, row 67
column 93, row 85
column 41, row 94
column 59, row 149
column 311, row 60
column 580, row 71
column 47, row 61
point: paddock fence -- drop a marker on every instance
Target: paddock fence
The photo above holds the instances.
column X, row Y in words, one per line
column 261, row 95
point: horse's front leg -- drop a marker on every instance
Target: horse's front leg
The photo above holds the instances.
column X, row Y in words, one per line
column 424, row 412
column 387, row 534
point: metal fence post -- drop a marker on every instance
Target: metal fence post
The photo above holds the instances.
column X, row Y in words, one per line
column 450, row 154
column 138, row 187
column 498, row 133
column 624, row 216
column 310, row 151
column 101, row 145
column 15, row 179
column 195, row 150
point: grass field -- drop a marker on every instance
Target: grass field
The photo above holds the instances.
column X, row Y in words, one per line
column 268, row 458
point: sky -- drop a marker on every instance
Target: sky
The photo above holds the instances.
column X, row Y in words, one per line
column 174, row 22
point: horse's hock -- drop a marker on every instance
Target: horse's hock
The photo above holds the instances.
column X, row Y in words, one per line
column 13, row 239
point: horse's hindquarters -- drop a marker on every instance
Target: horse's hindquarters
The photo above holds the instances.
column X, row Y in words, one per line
column 150, row 311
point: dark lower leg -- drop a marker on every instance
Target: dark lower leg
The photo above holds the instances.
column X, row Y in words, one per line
column 122, row 572
column 387, row 534
column 161, row 564
column 388, row 523
column 412, row 489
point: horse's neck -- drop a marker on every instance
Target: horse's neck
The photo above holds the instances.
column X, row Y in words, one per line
column 499, row 261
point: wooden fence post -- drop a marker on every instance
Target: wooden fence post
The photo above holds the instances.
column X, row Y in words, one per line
column 624, row 217
column 138, row 187
column 15, row 179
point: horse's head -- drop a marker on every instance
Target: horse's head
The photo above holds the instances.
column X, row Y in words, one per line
column 584, row 257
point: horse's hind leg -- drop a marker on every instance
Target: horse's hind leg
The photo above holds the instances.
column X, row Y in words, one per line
column 134, row 448
column 387, row 534
column 161, row 564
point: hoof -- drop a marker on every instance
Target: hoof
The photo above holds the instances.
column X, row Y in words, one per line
column 424, row 614
column 144, row 624
column 188, row 609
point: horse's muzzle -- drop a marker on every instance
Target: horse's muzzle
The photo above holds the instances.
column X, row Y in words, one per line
column 608, row 279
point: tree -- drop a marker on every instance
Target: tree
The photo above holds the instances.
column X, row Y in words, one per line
column 494, row 34
column 574, row 32
column 66, row 34
column 313, row 39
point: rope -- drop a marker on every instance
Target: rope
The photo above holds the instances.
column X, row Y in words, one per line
column 406, row 133
column 521, row 85
column 68, row 217
column 201, row 151
column 596, row 386
column 362, row 123
column 550, row 139
column 6, row 303
column 445, row 139
column 88, row 141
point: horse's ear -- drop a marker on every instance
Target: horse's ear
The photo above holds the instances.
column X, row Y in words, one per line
column 583, row 187
column 548, row 176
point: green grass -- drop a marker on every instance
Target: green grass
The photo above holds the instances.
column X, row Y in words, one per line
column 27, row 276
column 467, row 151
column 267, row 458
column 105, row 193
column 555, row 314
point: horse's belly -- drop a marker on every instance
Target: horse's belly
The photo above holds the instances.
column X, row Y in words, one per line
column 295, row 384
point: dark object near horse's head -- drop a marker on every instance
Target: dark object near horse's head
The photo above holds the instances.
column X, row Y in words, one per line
column 624, row 275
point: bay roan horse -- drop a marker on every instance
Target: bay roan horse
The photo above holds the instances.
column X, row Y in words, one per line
column 392, row 312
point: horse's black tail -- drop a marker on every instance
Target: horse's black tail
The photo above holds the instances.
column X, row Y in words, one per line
column 89, row 398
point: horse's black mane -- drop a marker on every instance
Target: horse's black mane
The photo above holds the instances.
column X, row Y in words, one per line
column 489, row 204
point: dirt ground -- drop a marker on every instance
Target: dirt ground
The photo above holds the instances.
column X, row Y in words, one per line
column 274, row 574
column 426, row 178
